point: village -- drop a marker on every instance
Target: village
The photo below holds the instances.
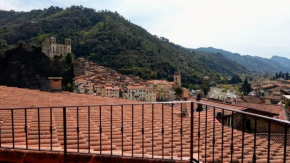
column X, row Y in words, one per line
column 87, row 85
column 94, row 79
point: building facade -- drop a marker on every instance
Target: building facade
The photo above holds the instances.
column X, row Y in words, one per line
column 135, row 93
column 112, row 92
column 150, row 95
column 51, row 49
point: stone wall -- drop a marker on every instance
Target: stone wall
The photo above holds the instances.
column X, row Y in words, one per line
column 262, row 124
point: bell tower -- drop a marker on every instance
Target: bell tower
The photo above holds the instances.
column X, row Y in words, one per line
column 177, row 79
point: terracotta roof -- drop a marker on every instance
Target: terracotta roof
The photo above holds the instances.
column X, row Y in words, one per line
column 80, row 80
column 157, row 81
column 273, row 97
column 276, row 109
column 251, row 99
column 112, row 88
column 268, row 86
column 14, row 97
column 277, row 138
column 136, row 87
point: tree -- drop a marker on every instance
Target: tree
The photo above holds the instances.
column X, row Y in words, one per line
column 246, row 87
column 178, row 91
column 69, row 87
column 205, row 88
column 69, row 58
column 236, row 79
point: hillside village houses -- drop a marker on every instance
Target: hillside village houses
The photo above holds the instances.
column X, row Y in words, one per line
column 102, row 81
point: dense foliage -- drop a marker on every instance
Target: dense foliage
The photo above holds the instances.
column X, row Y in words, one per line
column 110, row 40
column 285, row 76
column 25, row 66
column 246, row 87
column 235, row 79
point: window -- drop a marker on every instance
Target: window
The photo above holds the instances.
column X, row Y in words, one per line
column 247, row 125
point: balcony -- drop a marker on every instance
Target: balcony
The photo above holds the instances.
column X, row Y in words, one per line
column 187, row 131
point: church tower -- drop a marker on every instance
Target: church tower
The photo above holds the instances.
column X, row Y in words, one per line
column 177, row 79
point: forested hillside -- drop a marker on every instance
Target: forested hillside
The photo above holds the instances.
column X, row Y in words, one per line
column 109, row 39
column 25, row 66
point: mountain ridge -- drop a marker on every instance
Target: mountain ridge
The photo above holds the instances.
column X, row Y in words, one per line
column 253, row 63
column 107, row 38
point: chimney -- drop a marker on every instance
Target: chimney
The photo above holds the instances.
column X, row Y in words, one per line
column 55, row 84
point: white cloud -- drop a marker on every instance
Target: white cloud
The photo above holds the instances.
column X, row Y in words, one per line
column 259, row 27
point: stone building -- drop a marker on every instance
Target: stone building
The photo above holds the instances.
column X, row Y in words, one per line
column 135, row 93
column 112, row 92
column 150, row 95
column 79, row 66
column 51, row 49
column 177, row 79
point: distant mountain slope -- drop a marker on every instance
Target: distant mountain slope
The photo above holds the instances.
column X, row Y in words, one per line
column 112, row 41
column 219, row 63
column 285, row 62
column 252, row 63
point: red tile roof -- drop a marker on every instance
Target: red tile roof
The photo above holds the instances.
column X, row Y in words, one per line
column 14, row 97
column 136, row 87
column 276, row 109
column 251, row 99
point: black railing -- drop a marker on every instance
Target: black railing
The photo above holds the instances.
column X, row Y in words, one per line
column 187, row 130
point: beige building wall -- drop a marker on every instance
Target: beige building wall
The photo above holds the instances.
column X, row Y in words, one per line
column 135, row 93
column 50, row 47
column 150, row 96
column 98, row 90
column 112, row 92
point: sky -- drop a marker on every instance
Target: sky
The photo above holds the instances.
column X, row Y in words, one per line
column 249, row 27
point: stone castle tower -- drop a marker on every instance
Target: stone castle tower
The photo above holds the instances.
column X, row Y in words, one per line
column 50, row 48
column 177, row 79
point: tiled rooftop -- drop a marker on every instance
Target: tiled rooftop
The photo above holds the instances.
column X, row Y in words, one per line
column 276, row 109
column 15, row 97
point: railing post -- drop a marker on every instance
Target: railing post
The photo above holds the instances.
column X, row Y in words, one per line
column 64, row 135
column 191, row 132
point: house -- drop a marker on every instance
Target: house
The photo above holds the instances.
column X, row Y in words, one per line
column 112, row 92
column 285, row 99
column 162, row 89
column 135, row 93
column 98, row 90
column 274, row 111
column 150, row 95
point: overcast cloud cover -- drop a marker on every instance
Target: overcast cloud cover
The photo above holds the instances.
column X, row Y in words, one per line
column 248, row 27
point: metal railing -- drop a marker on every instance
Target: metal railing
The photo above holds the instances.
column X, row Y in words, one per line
column 148, row 119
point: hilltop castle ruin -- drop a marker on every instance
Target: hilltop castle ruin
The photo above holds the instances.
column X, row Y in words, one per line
column 50, row 48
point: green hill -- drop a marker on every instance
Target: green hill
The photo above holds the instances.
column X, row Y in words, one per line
column 25, row 66
column 109, row 39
